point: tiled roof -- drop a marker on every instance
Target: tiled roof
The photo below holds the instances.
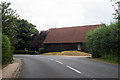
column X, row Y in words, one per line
column 68, row 34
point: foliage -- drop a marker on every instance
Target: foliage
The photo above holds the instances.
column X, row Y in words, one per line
column 38, row 42
column 117, row 10
column 9, row 18
column 110, row 58
column 41, row 50
column 0, row 48
column 26, row 34
column 6, row 50
column 20, row 31
column 104, row 40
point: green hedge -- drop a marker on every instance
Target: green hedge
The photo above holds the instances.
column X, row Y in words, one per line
column 0, row 48
column 24, row 52
column 41, row 50
column 104, row 41
column 7, row 56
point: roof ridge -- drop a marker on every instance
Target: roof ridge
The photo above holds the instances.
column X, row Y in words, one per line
column 78, row 26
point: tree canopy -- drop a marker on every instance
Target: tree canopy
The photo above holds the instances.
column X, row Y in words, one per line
column 9, row 18
column 26, row 34
column 19, row 31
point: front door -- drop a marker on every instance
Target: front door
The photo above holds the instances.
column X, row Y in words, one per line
column 79, row 47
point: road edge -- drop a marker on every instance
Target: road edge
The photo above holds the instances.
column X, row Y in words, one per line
column 17, row 71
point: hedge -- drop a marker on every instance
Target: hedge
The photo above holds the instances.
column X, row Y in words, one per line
column 104, row 40
column 0, row 48
column 7, row 56
column 41, row 50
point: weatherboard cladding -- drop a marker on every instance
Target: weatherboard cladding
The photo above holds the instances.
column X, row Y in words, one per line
column 68, row 34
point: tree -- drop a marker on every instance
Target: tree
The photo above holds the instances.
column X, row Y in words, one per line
column 26, row 34
column 117, row 10
column 103, row 40
column 19, row 31
column 38, row 42
column 9, row 18
column 117, row 16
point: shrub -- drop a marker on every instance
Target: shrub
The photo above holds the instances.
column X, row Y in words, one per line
column 7, row 56
column 104, row 40
column 110, row 58
column 41, row 50
column 0, row 48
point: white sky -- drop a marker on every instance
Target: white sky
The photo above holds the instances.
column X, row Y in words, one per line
column 47, row 14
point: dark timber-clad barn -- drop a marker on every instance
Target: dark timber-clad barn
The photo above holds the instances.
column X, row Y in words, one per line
column 68, row 38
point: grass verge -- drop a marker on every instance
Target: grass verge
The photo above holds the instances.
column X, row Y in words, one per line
column 109, row 61
column 108, row 58
column 68, row 53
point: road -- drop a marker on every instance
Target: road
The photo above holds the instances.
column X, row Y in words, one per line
column 44, row 66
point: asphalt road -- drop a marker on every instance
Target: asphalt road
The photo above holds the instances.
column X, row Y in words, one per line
column 44, row 66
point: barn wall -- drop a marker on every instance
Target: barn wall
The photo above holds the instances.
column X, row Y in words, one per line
column 61, row 47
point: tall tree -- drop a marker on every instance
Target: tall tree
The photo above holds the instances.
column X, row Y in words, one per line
column 20, row 31
column 26, row 33
column 116, row 6
column 9, row 18
column 38, row 42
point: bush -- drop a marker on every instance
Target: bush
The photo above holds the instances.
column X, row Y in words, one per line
column 0, row 48
column 7, row 56
column 24, row 52
column 41, row 50
column 104, row 40
column 110, row 58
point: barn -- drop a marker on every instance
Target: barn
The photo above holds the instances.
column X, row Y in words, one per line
column 67, row 38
